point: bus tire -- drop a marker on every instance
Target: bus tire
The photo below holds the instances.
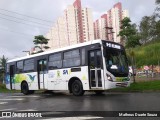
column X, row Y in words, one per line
column 77, row 88
column 25, row 88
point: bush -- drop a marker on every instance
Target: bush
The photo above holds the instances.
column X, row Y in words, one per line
column 147, row 54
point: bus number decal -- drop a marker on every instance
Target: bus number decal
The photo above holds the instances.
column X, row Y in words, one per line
column 65, row 72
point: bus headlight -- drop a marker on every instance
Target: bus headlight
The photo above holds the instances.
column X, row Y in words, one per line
column 109, row 77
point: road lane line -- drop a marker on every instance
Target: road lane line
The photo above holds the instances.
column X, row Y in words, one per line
column 19, row 99
column 73, row 118
column 8, row 109
column 1, row 103
column 24, row 96
column 28, row 110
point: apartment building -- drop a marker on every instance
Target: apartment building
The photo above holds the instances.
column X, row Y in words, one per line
column 111, row 22
column 125, row 13
column 87, row 24
column 74, row 26
column 100, row 28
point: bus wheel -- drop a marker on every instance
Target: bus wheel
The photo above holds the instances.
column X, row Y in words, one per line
column 77, row 88
column 24, row 88
column 99, row 92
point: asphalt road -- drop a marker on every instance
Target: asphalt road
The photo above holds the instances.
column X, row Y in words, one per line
column 54, row 105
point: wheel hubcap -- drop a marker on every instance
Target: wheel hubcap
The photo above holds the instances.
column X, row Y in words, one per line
column 76, row 88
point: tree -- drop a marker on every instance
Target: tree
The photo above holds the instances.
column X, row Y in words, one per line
column 129, row 33
column 157, row 10
column 131, row 36
column 148, row 29
column 144, row 29
column 157, row 1
column 157, row 31
column 41, row 43
column 3, row 62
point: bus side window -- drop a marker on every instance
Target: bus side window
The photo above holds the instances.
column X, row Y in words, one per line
column 7, row 70
column 71, row 58
column 55, row 61
column 19, row 67
column 29, row 65
column 83, row 56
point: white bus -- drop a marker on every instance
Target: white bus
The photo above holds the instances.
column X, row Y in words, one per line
column 96, row 65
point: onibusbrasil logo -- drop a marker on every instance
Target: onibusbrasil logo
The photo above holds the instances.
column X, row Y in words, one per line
column 21, row 114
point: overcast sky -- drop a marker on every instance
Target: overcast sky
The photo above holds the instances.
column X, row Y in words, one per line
column 17, row 33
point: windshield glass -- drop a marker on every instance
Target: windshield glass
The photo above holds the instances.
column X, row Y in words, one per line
column 116, row 62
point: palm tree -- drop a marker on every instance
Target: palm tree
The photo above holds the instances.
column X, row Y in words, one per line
column 3, row 62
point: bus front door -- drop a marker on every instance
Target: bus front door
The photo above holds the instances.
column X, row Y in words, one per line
column 42, row 74
column 12, row 73
column 95, row 69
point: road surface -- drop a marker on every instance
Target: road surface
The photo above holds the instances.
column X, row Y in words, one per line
column 56, row 104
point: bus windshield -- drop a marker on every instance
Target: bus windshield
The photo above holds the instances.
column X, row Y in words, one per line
column 116, row 62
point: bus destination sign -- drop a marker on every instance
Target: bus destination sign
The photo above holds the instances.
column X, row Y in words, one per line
column 112, row 45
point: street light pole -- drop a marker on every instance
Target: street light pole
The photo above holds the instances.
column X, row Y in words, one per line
column 27, row 52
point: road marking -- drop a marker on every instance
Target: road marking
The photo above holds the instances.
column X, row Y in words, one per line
column 23, row 96
column 8, row 109
column 1, row 103
column 28, row 110
column 11, row 99
column 73, row 118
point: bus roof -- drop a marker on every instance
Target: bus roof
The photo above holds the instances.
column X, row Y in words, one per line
column 57, row 50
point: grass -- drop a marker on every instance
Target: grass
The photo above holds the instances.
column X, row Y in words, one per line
column 4, row 90
column 149, row 86
column 140, row 87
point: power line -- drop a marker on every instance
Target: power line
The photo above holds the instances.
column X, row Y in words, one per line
column 23, row 19
column 26, row 15
column 22, row 23
column 15, row 32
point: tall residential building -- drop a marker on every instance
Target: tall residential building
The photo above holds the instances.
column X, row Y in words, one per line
column 100, row 30
column 75, row 26
column 113, row 20
column 87, row 24
column 125, row 13
column 78, row 8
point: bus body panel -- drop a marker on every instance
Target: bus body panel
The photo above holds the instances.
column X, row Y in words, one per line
column 110, row 85
column 59, row 79
column 7, row 78
column 30, row 78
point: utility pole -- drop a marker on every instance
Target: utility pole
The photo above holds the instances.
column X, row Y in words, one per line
column 110, row 29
